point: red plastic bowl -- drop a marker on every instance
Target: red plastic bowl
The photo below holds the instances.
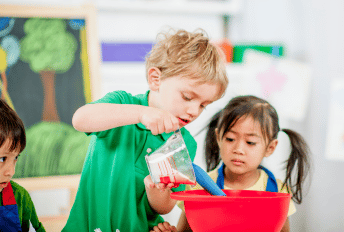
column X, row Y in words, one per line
column 240, row 210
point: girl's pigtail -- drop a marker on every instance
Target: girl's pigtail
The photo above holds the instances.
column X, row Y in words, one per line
column 212, row 151
column 298, row 155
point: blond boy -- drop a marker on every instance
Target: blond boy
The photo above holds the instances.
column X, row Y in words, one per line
column 185, row 73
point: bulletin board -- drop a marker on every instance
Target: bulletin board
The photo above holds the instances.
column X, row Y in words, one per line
column 49, row 67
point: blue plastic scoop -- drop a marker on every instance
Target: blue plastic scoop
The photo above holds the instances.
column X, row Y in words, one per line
column 204, row 180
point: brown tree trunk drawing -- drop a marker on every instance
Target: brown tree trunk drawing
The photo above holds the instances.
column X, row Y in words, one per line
column 4, row 84
column 49, row 106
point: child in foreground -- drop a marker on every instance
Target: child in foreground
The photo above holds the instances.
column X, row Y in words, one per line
column 242, row 135
column 16, row 207
column 185, row 73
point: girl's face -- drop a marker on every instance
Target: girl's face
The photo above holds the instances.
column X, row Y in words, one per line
column 8, row 162
column 183, row 97
column 243, row 147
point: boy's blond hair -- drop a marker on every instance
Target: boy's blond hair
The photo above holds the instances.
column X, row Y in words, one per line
column 188, row 54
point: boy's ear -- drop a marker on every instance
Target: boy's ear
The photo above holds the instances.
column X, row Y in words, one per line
column 154, row 78
column 271, row 147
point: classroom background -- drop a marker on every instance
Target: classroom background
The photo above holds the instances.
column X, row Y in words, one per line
column 287, row 51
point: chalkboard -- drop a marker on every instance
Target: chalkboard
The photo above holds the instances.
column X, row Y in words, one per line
column 49, row 65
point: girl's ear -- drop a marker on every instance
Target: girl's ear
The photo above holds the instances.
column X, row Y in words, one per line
column 271, row 147
column 154, row 78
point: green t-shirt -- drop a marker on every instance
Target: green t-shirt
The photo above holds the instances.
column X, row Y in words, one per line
column 111, row 193
column 26, row 209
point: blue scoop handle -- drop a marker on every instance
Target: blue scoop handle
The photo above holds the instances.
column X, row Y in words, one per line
column 204, row 180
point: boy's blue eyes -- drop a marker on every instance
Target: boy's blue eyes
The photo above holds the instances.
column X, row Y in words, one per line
column 189, row 99
column 186, row 98
column 3, row 159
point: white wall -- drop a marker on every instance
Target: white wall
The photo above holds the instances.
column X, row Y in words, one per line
column 325, row 205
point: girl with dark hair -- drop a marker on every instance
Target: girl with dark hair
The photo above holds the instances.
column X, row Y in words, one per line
column 241, row 135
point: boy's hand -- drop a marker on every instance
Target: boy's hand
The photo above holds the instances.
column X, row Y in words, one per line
column 159, row 196
column 158, row 121
column 151, row 185
column 164, row 227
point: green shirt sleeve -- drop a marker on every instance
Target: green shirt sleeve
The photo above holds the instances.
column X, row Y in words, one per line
column 26, row 209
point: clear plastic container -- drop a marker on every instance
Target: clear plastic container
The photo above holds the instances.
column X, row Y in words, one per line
column 171, row 162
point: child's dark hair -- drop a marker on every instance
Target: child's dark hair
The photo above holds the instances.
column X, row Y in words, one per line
column 263, row 113
column 11, row 127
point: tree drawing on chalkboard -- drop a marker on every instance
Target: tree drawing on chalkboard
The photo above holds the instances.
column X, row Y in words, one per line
column 34, row 53
column 49, row 49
